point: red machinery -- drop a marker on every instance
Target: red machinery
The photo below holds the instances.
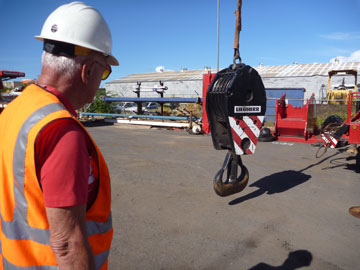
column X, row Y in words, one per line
column 7, row 75
column 207, row 78
column 335, row 134
column 348, row 131
column 353, row 133
column 295, row 124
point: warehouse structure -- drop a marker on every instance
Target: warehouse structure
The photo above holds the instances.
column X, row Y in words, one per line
column 312, row 78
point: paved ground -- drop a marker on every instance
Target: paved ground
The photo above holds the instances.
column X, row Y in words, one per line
column 292, row 215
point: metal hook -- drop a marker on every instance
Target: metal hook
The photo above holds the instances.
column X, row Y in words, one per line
column 236, row 57
column 233, row 184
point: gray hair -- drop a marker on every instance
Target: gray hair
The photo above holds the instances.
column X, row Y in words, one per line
column 63, row 65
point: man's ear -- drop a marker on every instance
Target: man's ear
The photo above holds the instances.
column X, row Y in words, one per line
column 87, row 71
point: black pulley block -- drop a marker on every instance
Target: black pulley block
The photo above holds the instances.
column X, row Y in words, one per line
column 235, row 106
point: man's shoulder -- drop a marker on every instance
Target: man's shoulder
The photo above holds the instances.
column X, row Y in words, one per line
column 66, row 129
column 62, row 126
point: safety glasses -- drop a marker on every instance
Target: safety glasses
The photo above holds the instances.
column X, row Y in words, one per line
column 106, row 72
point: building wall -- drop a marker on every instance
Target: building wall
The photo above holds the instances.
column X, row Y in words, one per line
column 12, row 84
column 187, row 89
column 311, row 84
column 193, row 89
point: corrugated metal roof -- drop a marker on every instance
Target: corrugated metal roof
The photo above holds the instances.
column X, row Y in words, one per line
column 295, row 70
column 186, row 75
column 304, row 70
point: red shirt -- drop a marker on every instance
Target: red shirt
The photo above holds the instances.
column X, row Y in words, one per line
column 68, row 175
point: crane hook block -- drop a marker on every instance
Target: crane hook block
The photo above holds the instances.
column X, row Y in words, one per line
column 235, row 106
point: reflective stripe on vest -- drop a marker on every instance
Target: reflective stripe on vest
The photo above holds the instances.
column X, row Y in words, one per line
column 18, row 228
column 9, row 266
column 94, row 227
column 100, row 260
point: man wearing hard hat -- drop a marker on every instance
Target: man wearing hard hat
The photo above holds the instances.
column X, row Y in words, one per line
column 54, row 182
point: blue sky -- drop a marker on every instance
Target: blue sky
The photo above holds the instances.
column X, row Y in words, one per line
column 174, row 34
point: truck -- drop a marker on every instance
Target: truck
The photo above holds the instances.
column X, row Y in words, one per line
column 339, row 94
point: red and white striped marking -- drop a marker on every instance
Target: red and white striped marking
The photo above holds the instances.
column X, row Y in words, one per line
column 329, row 140
column 249, row 128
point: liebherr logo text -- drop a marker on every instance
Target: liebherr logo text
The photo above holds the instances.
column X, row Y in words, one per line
column 247, row 109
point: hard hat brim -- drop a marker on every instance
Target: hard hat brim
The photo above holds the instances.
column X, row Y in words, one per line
column 112, row 61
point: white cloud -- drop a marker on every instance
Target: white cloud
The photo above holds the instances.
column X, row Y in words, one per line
column 354, row 57
column 342, row 36
column 160, row 69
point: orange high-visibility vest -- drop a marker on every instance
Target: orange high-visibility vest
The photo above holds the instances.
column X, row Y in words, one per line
column 24, row 230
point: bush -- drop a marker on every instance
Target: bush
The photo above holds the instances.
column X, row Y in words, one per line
column 5, row 89
column 100, row 106
column 325, row 110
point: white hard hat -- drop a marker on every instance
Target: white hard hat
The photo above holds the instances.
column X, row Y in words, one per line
column 79, row 24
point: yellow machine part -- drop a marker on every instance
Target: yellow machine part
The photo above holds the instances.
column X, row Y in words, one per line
column 338, row 96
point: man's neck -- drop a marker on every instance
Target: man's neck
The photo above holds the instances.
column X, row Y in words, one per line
column 63, row 84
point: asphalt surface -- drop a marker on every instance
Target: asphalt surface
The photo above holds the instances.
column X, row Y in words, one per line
column 292, row 215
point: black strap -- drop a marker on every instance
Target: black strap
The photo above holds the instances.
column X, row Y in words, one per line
column 59, row 48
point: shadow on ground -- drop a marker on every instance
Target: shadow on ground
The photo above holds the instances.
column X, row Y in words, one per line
column 344, row 162
column 295, row 260
column 275, row 183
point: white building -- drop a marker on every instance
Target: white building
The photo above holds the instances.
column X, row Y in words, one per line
column 188, row 83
